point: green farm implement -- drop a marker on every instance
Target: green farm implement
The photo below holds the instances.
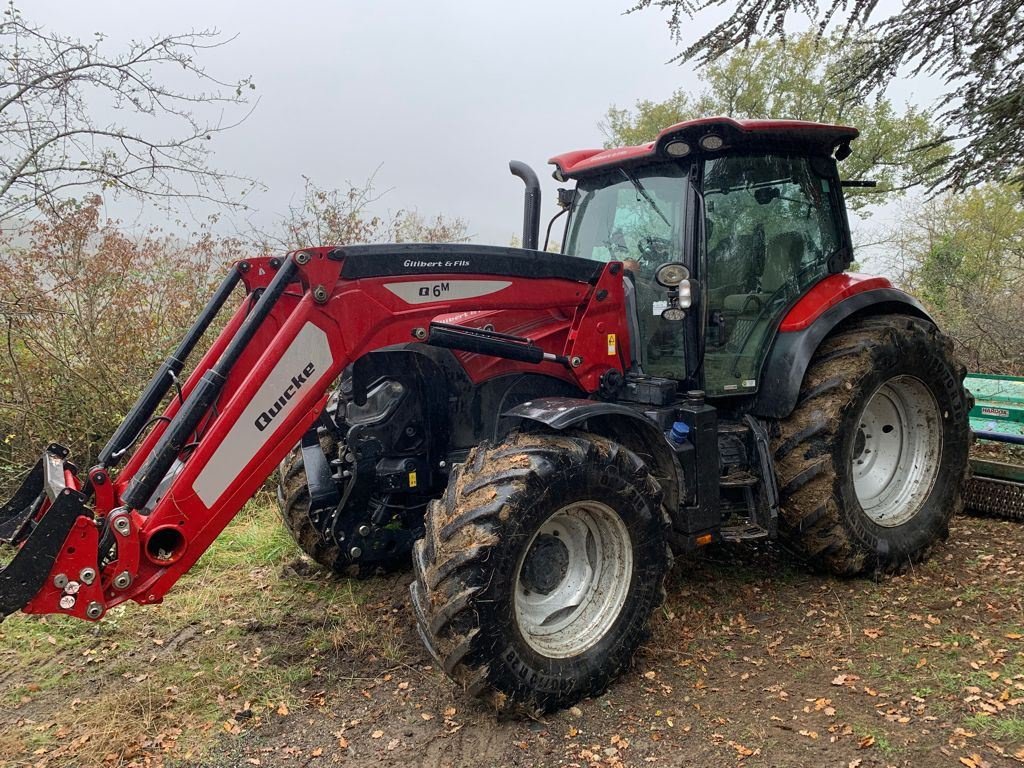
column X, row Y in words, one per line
column 997, row 420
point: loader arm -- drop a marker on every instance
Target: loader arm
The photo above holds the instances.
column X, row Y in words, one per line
column 86, row 546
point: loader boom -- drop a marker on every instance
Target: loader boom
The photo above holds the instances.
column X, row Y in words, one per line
column 262, row 385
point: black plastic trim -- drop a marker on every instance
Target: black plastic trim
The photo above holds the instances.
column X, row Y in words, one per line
column 563, row 412
column 791, row 352
column 460, row 258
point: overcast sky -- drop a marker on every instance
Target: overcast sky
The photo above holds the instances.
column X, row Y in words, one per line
column 435, row 97
column 438, row 95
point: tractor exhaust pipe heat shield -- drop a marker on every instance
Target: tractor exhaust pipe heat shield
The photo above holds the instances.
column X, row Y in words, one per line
column 531, row 203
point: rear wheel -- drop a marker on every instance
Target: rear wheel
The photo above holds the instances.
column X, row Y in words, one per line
column 872, row 460
column 540, row 568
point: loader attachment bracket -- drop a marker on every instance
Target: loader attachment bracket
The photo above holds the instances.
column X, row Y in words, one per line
column 26, row 577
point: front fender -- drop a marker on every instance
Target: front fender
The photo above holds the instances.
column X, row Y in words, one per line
column 625, row 425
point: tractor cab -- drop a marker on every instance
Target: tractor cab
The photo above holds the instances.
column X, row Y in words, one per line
column 751, row 210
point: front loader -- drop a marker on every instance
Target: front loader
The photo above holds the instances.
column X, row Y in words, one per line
column 539, row 432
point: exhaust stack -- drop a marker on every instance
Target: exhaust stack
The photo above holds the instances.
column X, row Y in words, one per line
column 531, row 203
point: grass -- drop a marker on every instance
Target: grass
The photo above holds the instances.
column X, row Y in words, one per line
column 179, row 671
column 1009, row 729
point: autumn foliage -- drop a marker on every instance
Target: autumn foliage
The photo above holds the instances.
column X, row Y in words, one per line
column 87, row 311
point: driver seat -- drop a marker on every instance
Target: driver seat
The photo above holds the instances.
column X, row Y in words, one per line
column 785, row 253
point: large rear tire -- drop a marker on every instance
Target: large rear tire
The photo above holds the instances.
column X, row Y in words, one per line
column 540, row 568
column 872, row 460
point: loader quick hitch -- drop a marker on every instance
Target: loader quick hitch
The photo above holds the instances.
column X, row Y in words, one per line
column 48, row 518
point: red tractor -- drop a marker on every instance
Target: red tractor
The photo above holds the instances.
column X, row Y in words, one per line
column 539, row 431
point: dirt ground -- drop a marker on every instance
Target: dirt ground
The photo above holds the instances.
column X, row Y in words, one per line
column 752, row 662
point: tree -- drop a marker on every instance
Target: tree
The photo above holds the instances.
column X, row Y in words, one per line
column 975, row 47
column 55, row 91
column 963, row 255
column 788, row 79
column 341, row 216
column 87, row 312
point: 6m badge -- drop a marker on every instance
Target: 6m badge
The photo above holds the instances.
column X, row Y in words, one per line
column 425, row 291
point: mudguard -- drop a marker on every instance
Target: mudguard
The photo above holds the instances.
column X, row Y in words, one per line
column 806, row 325
column 626, row 425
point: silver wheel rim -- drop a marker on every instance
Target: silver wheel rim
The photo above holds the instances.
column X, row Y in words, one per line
column 572, row 580
column 896, row 451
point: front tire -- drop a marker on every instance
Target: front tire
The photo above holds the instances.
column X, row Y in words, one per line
column 872, row 460
column 540, row 568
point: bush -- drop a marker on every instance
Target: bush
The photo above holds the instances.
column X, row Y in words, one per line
column 86, row 314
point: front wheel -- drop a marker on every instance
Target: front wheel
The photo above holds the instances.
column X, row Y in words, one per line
column 872, row 460
column 540, row 568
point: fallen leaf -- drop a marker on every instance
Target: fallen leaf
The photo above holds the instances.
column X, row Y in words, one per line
column 317, row 752
column 873, row 633
column 650, row 675
column 342, row 742
column 426, row 716
column 376, row 734
column 866, row 742
column 922, row 662
column 282, row 709
column 741, row 750
column 450, row 712
column 392, row 744
column 844, row 679
column 975, row 761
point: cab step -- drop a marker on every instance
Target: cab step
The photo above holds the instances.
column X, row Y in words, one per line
column 743, row 532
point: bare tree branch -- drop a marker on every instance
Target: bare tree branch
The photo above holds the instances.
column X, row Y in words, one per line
column 56, row 90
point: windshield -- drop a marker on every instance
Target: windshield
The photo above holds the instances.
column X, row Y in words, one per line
column 629, row 215
column 635, row 216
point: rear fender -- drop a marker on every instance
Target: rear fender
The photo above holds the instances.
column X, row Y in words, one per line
column 617, row 422
column 792, row 350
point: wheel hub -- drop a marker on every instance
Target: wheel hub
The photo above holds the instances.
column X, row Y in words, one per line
column 545, row 565
column 896, row 451
column 572, row 581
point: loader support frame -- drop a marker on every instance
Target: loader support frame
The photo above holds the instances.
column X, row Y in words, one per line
column 262, row 385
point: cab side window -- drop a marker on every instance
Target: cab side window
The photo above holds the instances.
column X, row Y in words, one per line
column 770, row 228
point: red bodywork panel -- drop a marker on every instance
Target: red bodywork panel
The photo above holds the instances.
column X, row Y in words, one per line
column 814, row 136
column 320, row 324
column 825, row 295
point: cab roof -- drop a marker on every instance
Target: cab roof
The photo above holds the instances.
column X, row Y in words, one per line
column 793, row 135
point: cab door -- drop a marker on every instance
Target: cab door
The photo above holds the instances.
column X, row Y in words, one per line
column 771, row 230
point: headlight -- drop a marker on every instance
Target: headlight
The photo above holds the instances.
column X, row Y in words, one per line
column 672, row 274
column 711, row 142
column 677, row 148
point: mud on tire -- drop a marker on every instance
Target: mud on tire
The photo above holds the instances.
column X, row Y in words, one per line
column 819, row 449
column 474, row 558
